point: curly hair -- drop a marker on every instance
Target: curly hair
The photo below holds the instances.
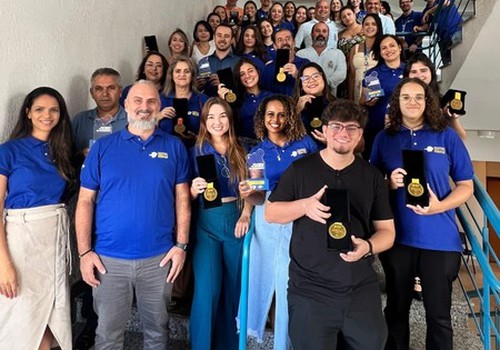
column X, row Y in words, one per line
column 344, row 111
column 432, row 113
column 235, row 152
column 294, row 128
column 59, row 139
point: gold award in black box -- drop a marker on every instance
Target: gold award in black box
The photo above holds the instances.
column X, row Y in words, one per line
column 208, row 170
column 338, row 225
column 226, row 78
column 282, row 58
column 414, row 180
column 455, row 100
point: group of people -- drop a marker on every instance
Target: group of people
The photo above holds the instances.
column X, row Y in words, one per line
column 161, row 168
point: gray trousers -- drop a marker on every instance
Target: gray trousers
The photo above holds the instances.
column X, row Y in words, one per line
column 113, row 301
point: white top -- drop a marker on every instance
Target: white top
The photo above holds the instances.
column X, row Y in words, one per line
column 196, row 55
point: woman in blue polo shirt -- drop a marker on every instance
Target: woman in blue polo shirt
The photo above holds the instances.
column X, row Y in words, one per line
column 283, row 140
column 181, row 83
column 387, row 51
column 247, row 75
column 427, row 244
column 251, row 46
column 35, row 170
column 219, row 231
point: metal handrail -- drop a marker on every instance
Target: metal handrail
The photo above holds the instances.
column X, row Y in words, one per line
column 487, row 325
column 242, row 341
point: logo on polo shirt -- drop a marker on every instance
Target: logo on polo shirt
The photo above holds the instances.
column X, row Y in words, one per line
column 436, row 149
column 162, row 155
column 299, row 152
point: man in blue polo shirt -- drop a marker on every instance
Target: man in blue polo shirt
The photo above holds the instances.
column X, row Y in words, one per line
column 107, row 117
column 136, row 183
column 406, row 22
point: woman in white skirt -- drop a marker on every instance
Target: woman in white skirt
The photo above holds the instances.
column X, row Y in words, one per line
column 35, row 170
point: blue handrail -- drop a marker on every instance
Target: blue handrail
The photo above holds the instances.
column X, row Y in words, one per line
column 487, row 326
column 244, row 286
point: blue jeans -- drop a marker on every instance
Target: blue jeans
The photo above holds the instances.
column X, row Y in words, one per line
column 217, row 273
column 113, row 301
column 268, row 275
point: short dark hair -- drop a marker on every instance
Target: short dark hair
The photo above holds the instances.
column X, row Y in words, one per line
column 225, row 25
column 377, row 51
column 344, row 111
column 207, row 27
column 108, row 72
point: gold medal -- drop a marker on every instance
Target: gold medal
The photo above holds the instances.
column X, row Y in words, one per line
column 179, row 127
column 337, row 230
column 457, row 103
column 210, row 193
column 415, row 188
column 230, row 96
column 281, row 76
column 315, row 123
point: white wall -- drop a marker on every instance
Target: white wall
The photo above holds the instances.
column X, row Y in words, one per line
column 60, row 43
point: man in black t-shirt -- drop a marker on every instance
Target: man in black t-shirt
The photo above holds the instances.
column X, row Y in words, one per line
column 330, row 291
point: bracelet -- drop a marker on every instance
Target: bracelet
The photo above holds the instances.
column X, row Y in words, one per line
column 83, row 254
column 370, row 251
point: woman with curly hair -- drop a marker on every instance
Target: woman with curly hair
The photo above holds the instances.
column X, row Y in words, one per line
column 283, row 140
column 427, row 242
column 219, row 231
column 35, row 171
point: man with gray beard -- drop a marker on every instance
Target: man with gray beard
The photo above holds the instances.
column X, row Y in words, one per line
column 135, row 183
column 332, row 60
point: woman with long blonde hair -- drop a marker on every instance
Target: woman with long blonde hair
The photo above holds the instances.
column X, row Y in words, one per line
column 219, row 231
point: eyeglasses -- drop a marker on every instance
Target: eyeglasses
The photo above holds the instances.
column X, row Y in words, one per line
column 153, row 65
column 407, row 98
column 352, row 130
column 222, row 162
column 306, row 78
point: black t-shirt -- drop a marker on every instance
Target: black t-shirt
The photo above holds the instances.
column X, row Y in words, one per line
column 315, row 271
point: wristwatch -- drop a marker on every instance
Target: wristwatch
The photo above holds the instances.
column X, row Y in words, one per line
column 183, row 246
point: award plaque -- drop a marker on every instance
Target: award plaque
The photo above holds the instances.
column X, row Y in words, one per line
column 207, row 169
column 181, row 113
column 415, row 182
column 314, row 109
column 151, row 43
column 455, row 100
column 338, row 225
column 256, row 165
column 204, row 70
column 179, row 128
column 282, row 58
column 226, row 78
column 373, row 87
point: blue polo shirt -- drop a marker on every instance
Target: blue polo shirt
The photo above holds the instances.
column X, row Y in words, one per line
column 270, row 83
column 247, row 112
column 195, row 104
column 32, row 178
column 285, row 25
column 278, row 158
column 257, row 60
column 227, row 188
column 445, row 156
column 389, row 79
column 216, row 64
column 83, row 126
column 405, row 24
column 449, row 21
column 135, row 182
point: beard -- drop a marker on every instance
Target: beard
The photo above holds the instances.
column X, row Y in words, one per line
column 142, row 124
column 320, row 41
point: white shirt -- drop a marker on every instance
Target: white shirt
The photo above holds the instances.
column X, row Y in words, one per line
column 388, row 26
column 304, row 33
